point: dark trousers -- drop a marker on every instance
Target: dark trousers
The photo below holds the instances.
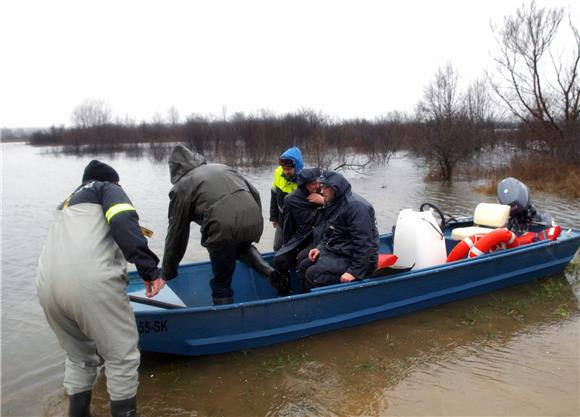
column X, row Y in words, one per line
column 292, row 258
column 278, row 237
column 283, row 263
column 326, row 270
column 223, row 265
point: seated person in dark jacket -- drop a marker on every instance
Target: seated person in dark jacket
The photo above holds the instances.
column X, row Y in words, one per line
column 303, row 211
column 350, row 242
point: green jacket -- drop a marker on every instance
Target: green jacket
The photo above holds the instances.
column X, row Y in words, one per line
column 215, row 196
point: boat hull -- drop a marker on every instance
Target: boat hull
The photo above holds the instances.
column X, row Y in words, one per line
column 204, row 329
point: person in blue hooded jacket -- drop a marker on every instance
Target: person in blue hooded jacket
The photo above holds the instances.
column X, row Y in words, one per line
column 303, row 208
column 284, row 183
column 349, row 246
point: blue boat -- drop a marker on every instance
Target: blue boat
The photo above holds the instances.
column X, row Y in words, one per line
column 185, row 322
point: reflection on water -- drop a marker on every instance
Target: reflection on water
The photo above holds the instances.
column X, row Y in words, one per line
column 512, row 352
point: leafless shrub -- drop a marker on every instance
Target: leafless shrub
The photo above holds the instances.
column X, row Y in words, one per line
column 540, row 86
column 91, row 113
column 454, row 125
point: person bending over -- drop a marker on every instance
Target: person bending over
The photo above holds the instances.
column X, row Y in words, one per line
column 228, row 209
column 82, row 288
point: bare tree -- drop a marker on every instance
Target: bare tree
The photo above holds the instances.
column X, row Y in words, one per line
column 173, row 116
column 91, row 113
column 448, row 137
column 157, row 119
column 539, row 87
column 478, row 103
column 442, row 98
column 197, row 130
column 319, row 151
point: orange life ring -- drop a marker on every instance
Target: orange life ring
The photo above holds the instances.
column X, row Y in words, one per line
column 461, row 250
column 496, row 239
column 479, row 244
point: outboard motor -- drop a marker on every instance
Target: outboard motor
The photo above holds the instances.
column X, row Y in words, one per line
column 515, row 193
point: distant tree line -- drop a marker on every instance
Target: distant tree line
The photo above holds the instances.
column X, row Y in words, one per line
column 528, row 109
column 252, row 140
column 16, row 135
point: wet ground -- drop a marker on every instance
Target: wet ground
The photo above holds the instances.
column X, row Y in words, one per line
column 510, row 352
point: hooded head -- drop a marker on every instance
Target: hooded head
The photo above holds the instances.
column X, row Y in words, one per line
column 182, row 160
column 293, row 157
column 99, row 171
column 339, row 184
column 307, row 175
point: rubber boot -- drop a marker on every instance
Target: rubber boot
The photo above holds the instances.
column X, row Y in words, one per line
column 124, row 408
column 79, row 405
column 254, row 260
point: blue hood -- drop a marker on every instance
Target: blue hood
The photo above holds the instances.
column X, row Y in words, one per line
column 294, row 154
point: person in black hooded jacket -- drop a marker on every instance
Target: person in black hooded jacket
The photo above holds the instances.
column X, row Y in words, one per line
column 303, row 212
column 350, row 241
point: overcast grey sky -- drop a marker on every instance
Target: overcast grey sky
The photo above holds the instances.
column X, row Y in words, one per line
column 344, row 58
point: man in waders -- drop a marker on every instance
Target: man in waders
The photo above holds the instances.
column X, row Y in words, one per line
column 228, row 209
column 82, row 283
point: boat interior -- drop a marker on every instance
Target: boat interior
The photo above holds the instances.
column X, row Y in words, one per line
column 191, row 287
column 416, row 241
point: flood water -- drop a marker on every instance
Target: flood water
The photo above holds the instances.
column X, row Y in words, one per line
column 510, row 352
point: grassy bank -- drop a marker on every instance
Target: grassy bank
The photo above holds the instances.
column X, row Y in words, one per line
column 540, row 174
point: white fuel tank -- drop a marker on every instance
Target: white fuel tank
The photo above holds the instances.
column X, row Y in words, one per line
column 418, row 242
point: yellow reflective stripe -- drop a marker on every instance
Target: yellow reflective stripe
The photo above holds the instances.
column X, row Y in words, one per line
column 116, row 209
column 282, row 183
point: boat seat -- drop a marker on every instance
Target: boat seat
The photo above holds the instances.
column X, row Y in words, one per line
column 487, row 217
column 381, row 273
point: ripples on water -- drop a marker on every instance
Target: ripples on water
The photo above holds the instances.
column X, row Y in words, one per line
column 472, row 357
column 528, row 375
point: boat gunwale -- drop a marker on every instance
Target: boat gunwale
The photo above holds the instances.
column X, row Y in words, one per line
column 368, row 282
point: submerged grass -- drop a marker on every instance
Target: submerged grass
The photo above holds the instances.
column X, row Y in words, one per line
column 562, row 311
column 472, row 317
column 573, row 267
column 365, row 366
column 553, row 292
column 516, row 308
column 282, row 362
column 552, row 289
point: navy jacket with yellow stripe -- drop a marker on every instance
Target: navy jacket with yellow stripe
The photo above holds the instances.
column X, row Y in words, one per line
column 123, row 221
